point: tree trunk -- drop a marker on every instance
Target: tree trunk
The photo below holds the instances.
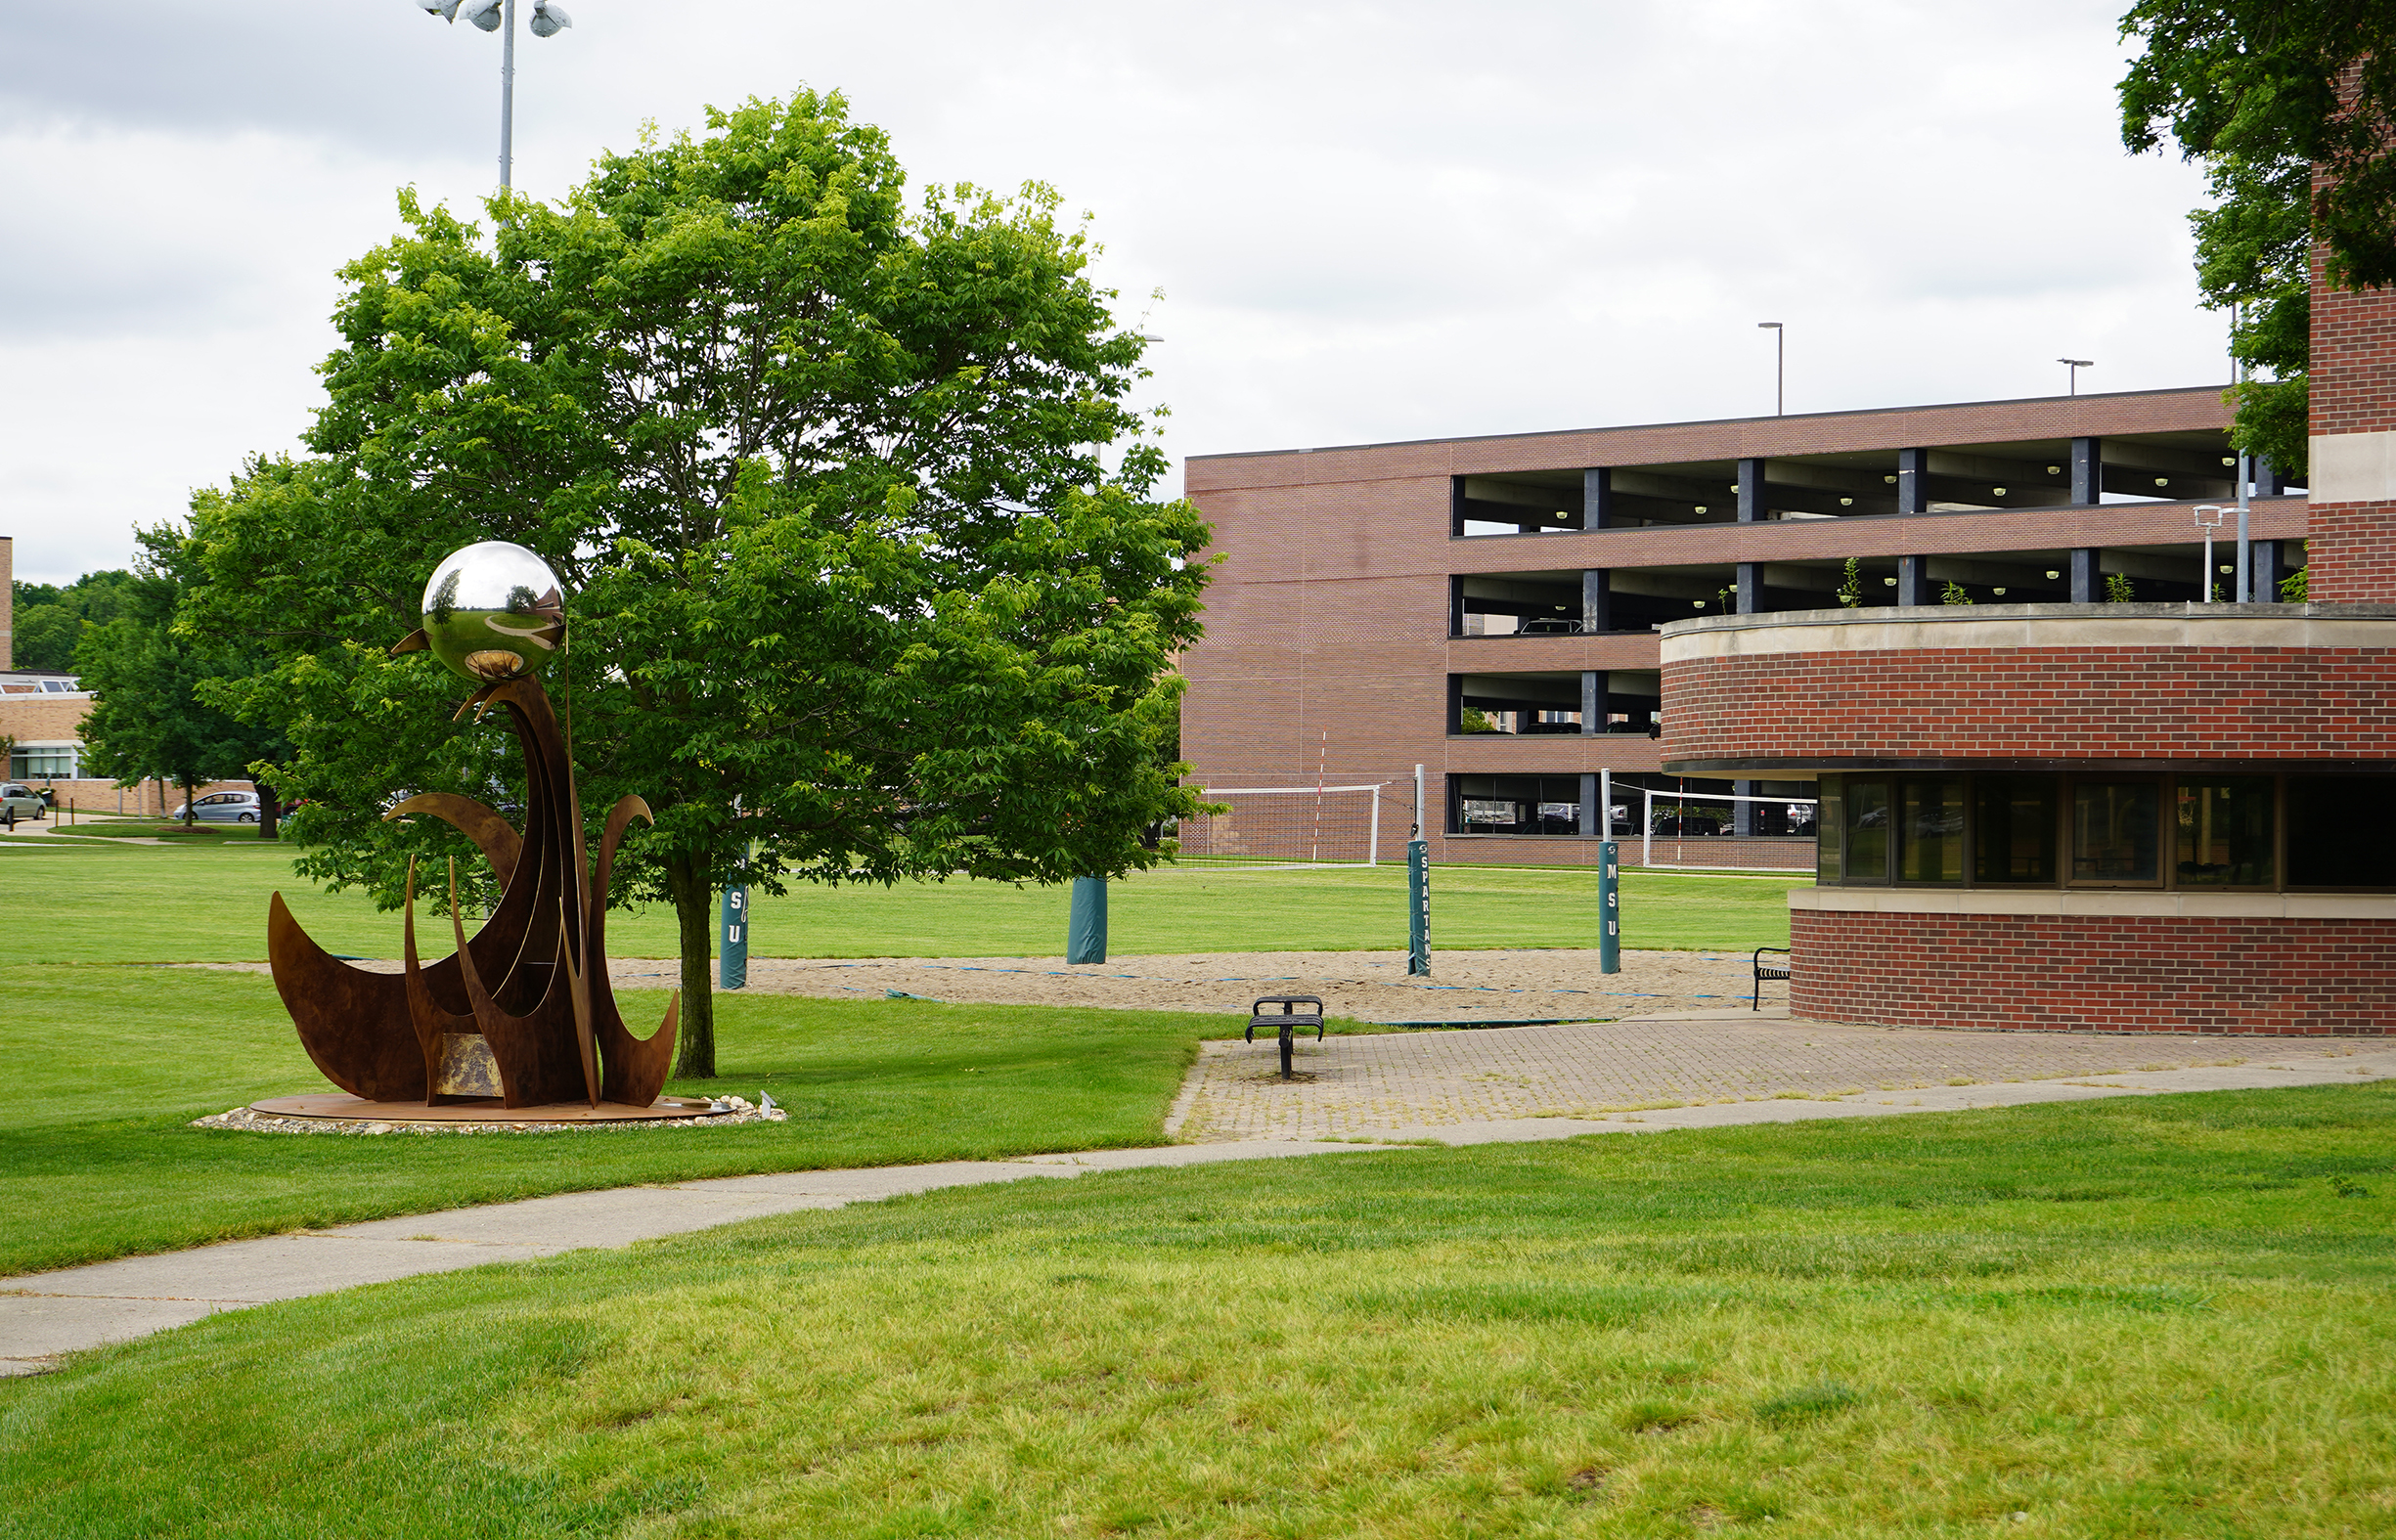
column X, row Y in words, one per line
column 190, row 796
column 695, row 1050
column 268, row 810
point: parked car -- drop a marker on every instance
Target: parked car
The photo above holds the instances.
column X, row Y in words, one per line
column 18, row 800
column 221, row 807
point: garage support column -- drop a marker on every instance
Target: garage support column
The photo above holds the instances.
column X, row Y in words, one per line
column 1913, row 481
column 1455, row 704
column 1913, row 579
column 1589, row 814
column 2270, row 566
column 1455, row 606
column 2269, row 480
column 1751, row 586
column 2087, row 472
column 1743, row 813
column 1596, row 600
column 2084, row 579
column 1751, row 492
column 1593, row 702
column 1597, row 499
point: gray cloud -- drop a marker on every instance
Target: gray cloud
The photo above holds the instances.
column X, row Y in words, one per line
column 1373, row 220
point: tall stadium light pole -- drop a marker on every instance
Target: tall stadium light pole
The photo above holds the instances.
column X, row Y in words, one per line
column 1780, row 365
column 549, row 19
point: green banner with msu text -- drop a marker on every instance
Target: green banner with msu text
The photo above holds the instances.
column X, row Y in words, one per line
column 1609, row 908
column 732, row 950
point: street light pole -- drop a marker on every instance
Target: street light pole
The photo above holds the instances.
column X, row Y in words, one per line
column 549, row 19
column 2204, row 590
column 2075, row 365
column 506, row 96
column 1780, row 365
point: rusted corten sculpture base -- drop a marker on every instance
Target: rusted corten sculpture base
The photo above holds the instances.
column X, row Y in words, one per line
column 523, row 1011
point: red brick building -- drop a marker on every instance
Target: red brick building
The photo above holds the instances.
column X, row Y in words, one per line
column 1491, row 608
column 2103, row 818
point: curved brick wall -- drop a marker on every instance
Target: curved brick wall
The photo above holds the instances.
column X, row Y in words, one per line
column 2129, row 681
column 2095, row 973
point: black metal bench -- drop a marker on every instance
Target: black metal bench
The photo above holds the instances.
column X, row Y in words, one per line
column 1776, row 971
column 1290, row 1019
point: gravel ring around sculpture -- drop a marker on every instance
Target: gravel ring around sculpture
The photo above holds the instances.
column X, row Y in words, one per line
column 246, row 1120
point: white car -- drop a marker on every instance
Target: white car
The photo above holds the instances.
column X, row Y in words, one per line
column 221, row 807
column 18, row 800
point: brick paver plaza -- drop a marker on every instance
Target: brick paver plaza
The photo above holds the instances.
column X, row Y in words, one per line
column 1364, row 1085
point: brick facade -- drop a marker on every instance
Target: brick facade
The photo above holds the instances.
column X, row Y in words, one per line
column 1327, row 648
column 2272, row 700
column 2354, row 357
column 2353, row 553
column 2085, row 973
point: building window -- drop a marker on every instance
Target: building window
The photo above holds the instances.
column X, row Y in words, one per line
column 2198, row 833
column 2222, row 833
column 1867, row 831
column 2337, row 832
column 1931, row 830
column 1828, row 819
column 44, row 760
column 2116, row 831
column 2014, row 838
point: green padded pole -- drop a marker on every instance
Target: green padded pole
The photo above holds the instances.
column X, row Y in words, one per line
column 1418, row 908
column 1609, row 907
column 1086, row 932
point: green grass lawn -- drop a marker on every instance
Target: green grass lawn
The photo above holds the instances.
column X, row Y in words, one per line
column 105, row 902
column 2148, row 1318
column 115, row 1058
column 111, row 1064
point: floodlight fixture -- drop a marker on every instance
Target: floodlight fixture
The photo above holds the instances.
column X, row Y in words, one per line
column 2075, row 365
column 490, row 15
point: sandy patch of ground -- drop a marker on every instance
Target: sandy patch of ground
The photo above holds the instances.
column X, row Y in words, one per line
column 1367, row 986
column 1547, row 983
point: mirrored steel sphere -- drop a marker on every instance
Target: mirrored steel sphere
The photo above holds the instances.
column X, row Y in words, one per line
column 495, row 611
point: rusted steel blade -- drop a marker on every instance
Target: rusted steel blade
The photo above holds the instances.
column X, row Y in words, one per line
column 637, row 1067
column 354, row 1025
column 500, row 844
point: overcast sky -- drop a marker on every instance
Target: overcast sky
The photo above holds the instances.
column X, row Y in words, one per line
column 1371, row 221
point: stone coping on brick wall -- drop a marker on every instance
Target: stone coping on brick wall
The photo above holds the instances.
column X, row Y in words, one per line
column 2097, row 903
column 1930, row 627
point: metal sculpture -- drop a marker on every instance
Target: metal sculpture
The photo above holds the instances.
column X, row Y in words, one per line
column 523, row 1011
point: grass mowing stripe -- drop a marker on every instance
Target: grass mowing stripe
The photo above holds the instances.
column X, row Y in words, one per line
column 1667, row 1335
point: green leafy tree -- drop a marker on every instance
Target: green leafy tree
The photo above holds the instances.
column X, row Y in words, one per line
column 849, row 583
column 152, row 712
column 2266, row 93
column 50, row 620
column 1954, row 593
column 1852, row 584
column 2118, row 588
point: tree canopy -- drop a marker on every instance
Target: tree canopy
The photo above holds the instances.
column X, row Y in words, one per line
column 155, row 709
column 2267, row 94
column 852, row 595
column 49, row 619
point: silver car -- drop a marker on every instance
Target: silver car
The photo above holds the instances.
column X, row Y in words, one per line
column 221, row 807
column 18, row 800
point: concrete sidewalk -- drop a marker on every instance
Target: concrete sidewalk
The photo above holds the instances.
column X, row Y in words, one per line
column 43, row 1315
